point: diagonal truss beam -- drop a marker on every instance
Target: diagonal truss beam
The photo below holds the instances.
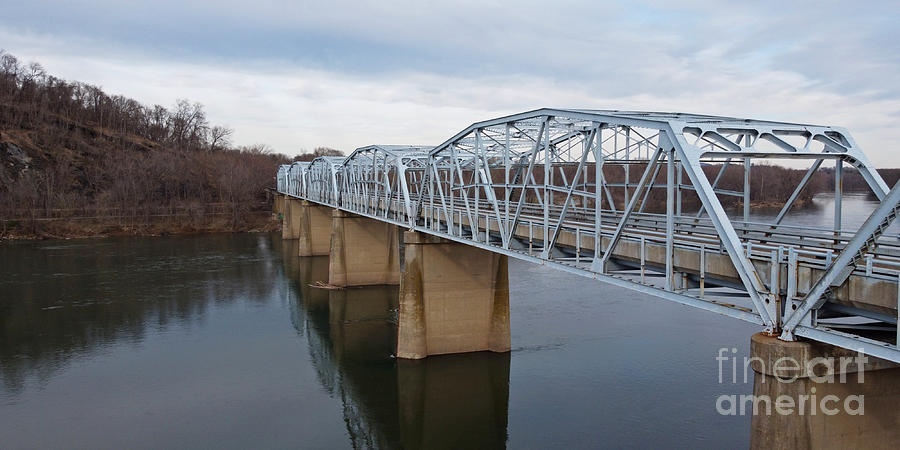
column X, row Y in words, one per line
column 601, row 265
column 567, row 202
column 730, row 240
column 841, row 267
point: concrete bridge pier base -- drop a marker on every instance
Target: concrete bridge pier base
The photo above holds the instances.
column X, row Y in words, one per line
column 820, row 396
column 363, row 251
column 290, row 222
column 454, row 298
column 314, row 229
column 277, row 206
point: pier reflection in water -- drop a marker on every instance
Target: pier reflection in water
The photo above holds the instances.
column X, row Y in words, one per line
column 218, row 340
column 453, row 401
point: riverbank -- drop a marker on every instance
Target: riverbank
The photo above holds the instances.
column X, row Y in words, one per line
column 138, row 225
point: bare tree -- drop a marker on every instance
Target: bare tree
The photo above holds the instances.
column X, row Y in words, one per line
column 219, row 137
column 78, row 147
column 317, row 152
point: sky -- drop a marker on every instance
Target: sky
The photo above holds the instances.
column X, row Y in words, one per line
column 298, row 75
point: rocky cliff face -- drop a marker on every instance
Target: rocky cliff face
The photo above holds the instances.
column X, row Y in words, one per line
column 13, row 162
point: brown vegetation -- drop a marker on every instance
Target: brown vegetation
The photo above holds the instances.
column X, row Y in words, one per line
column 70, row 146
column 853, row 181
column 76, row 161
column 317, row 152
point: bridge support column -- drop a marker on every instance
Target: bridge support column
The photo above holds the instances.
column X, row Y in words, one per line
column 277, row 206
column 363, row 251
column 314, row 229
column 290, row 222
column 454, row 298
column 828, row 397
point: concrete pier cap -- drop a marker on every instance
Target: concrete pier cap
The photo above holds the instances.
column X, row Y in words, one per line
column 807, row 359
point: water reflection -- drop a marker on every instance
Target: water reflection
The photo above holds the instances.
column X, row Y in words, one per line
column 441, row 402
column 855, row 208
column 69, row 299
column 219, row 340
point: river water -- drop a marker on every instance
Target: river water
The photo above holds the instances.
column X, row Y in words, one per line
column 218, row 341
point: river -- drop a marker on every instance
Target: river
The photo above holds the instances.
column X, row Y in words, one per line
column 218, row 341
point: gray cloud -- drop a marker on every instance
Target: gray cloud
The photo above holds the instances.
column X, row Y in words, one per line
column 305, row 74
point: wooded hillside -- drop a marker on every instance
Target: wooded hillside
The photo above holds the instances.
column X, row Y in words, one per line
column 68, row 149
column 75, row 160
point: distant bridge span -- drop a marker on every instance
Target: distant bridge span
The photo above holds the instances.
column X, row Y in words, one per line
column 576, row 190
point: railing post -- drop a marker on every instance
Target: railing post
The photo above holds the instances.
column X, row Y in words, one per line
column 643, row 257
column 670, row 219
column 702, row 269
column 838, row 194
column 577, row 245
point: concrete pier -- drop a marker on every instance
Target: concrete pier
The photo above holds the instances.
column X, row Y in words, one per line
column 821, row 396
column 454, row 401
column 363, row 251
column 454, row 298
column 314, row 228
column 277, row 206
column 290, row 225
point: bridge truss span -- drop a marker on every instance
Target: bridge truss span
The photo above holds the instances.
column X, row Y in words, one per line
column 654, row 202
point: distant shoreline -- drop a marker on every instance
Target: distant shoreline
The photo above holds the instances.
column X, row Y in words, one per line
column 91, row 227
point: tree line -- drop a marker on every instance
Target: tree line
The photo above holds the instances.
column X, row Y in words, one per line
column 31, row 98
column 70, row 145
column 770, row 185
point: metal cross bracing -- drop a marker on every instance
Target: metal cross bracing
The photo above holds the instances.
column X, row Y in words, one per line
column 635, row 199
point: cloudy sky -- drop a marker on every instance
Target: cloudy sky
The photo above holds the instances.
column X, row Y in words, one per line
column 296, row 75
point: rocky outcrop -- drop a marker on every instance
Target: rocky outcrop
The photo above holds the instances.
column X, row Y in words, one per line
column 13, row 162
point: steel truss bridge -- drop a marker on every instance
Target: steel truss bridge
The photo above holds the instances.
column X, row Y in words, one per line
column 635, row 199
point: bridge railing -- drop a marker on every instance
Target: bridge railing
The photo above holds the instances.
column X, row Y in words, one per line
column 638, row 199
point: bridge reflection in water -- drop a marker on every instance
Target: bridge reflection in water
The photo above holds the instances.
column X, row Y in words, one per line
column 451, row 401
column 462, row 400
column 200, row 314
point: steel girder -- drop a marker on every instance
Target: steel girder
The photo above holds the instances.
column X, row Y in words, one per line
column 572, row 189
column 297, row 174
column 323, row 177
column 281, row 178
column 378, row 179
